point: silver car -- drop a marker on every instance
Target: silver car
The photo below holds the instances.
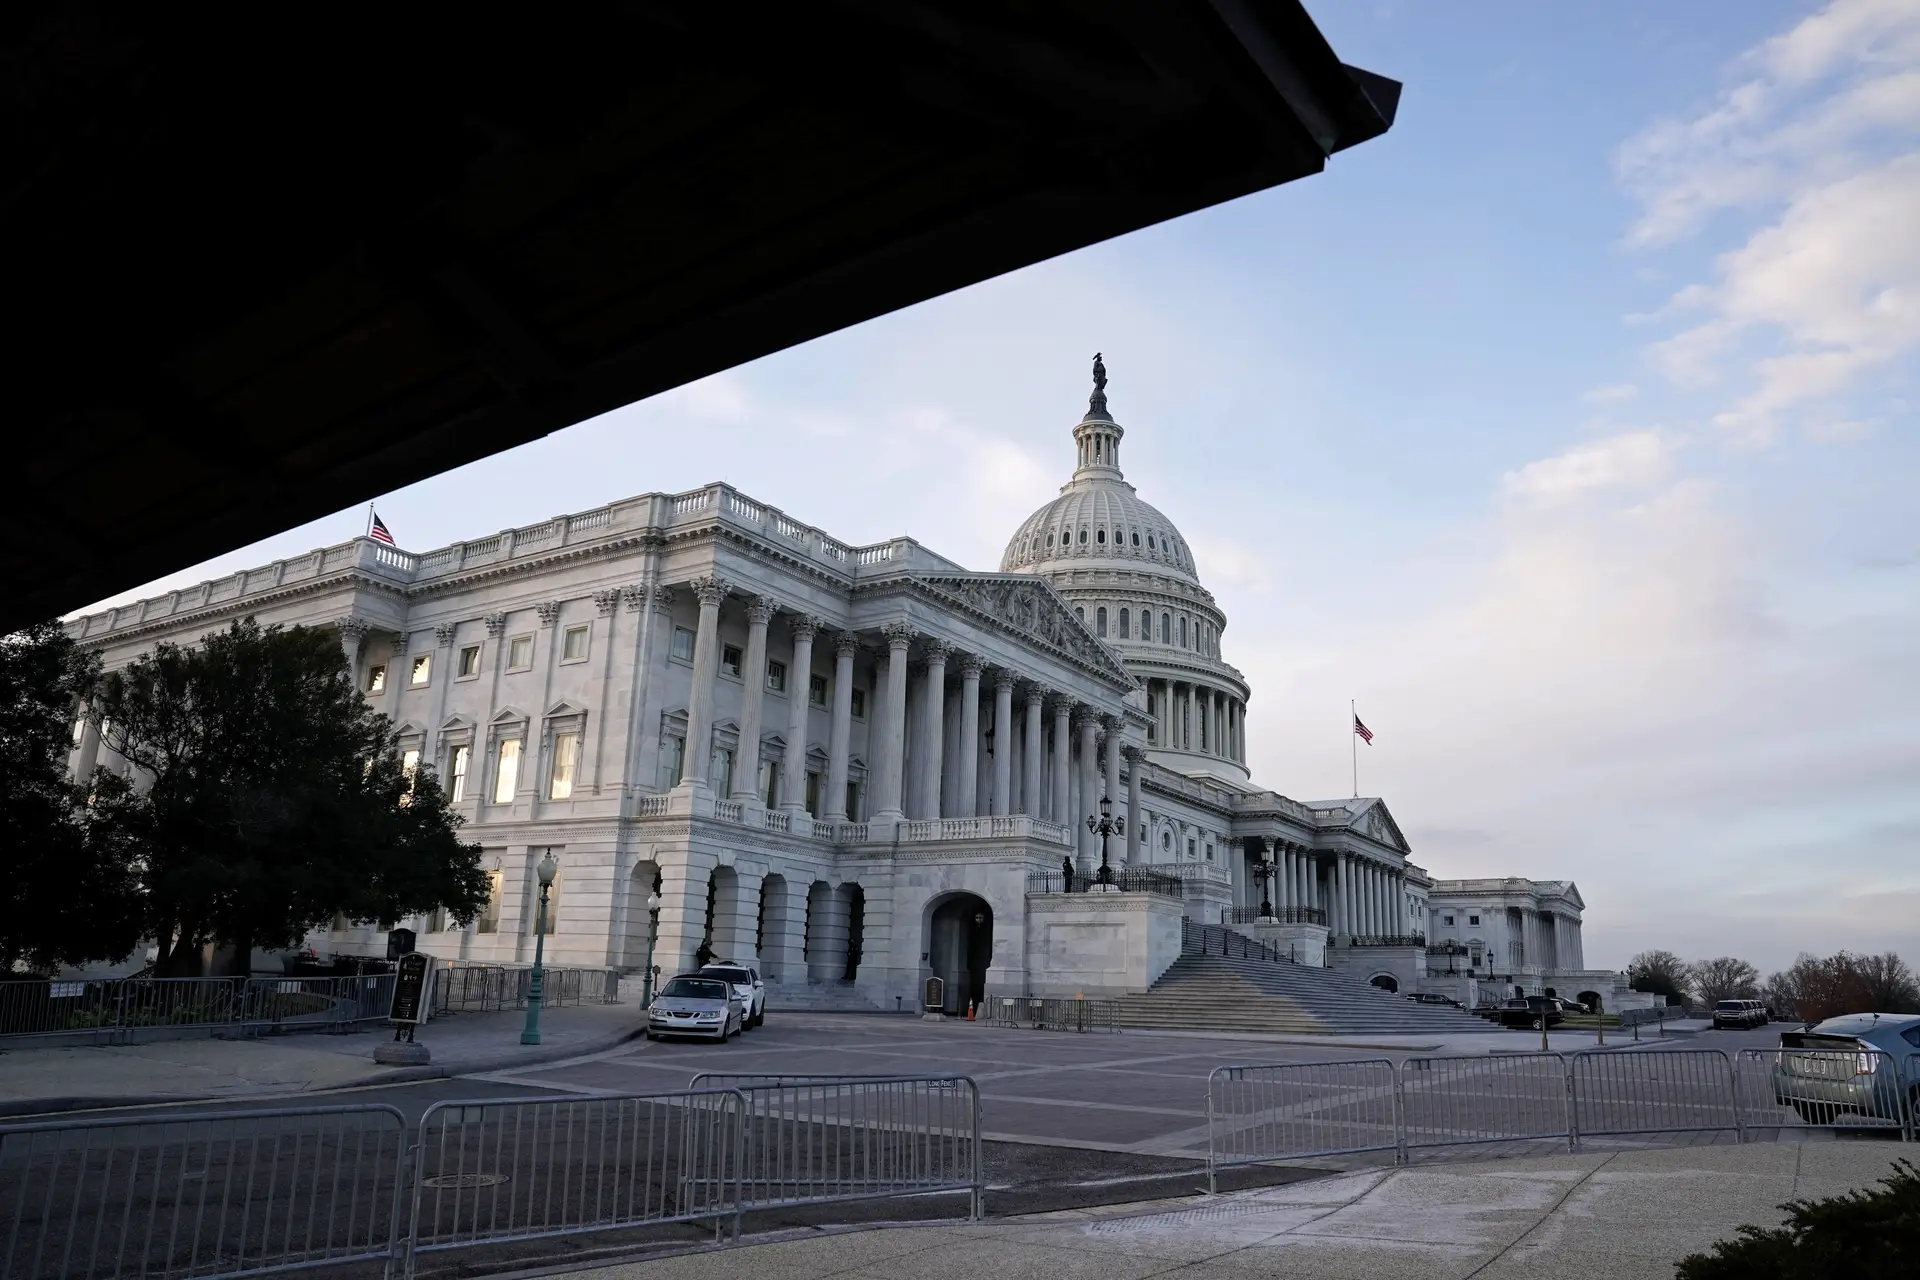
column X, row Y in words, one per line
column 1852, row 1065
column 692, row 1005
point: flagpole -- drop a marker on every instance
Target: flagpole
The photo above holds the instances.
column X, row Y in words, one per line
column 369, row 532
column 1353, row 740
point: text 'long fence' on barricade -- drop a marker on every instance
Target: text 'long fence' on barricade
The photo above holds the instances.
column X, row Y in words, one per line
column 1261, row 1114
column 244, row 1193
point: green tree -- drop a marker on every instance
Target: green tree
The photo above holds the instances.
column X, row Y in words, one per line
column 1723, row 978
column 273, row 797
column 68, row 885
column 1660, row 972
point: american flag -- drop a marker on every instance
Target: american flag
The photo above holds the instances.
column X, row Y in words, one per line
column 1366, row 734
column 378, row 532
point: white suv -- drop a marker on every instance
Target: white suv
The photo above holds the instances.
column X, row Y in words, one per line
column 746, row 984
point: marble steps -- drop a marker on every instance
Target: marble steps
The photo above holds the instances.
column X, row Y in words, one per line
column 818, row 997
column 1217, row 993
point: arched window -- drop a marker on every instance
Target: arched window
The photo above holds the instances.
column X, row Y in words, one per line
column 1080, row 613
column 1183, row 632
column 1100, row 622
column 1136, row 539
column 1049, row 539
column 1083, row 537
column 1101, row 537
column 1166, row 628
column 1124, row 633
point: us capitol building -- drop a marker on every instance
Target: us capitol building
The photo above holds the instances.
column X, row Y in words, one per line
column 863, row 765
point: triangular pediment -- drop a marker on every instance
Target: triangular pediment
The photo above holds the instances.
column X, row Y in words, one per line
column 509, row 715
column 1030, row 607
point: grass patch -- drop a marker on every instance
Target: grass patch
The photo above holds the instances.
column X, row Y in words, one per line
column 1875, row 1232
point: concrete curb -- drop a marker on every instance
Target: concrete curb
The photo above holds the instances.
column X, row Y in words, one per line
column 29, row 1108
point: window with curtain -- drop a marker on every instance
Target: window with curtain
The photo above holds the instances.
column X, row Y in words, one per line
column 507, row 776
column 566, row 762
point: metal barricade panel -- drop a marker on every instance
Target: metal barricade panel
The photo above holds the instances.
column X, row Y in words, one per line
column 1300, row 1110
column 1653, row 1091
column 1789, row 1088
column 1469, row 1100
column 494, row 1170
column 201, row 1197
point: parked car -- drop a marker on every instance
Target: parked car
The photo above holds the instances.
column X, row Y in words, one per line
column 1848, row 1065
column 746, row 983
column 1527, row 1011
column 693, row 1004
column 1432, row 997
column 1728, row 1014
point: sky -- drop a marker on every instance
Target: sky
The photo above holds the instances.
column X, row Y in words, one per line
column 1568, row 429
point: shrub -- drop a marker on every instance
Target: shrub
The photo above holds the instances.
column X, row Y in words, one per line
column 1873, row 1232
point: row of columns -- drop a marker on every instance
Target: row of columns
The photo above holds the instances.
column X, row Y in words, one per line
column 1194, row 717
column 1360, row 896
column 893, row 797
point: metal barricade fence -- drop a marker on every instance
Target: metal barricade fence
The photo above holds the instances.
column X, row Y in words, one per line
column 1467, row 1101
column 488, row 1171
column 119, row 1009
column 1300, row 1110
column 810, row 1139
column 1048, row 1013
column 1652, row 1091
column 200, row 1197
column 1792, row 1088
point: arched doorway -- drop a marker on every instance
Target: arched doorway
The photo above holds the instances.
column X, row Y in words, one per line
column 960, row 947
column 1386, row 982
column 645, row 883
column 1591, row 999
column 853, row 906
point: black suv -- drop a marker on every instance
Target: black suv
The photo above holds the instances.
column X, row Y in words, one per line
column 1526, row 1011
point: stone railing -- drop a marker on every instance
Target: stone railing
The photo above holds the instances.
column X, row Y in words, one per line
column 650, row 807
column 1010, row 826
column 728, row 810
column 777, row 820
column 1194, row 872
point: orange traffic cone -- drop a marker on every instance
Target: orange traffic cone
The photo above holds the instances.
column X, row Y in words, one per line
column 971, row 1006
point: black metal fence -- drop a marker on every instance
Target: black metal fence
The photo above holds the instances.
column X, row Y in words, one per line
column 1051, row 1014
column 1119, row 879
column 1277, row 915
column 476, row 988
column 121, row 1010
column 1378, row 940
column 1217, row 940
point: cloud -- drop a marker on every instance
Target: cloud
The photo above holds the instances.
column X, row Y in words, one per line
column 1611, row 395
column 1637, row 458
column 1819, row 140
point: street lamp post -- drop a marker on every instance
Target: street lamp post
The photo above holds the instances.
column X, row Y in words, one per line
column 1266, row 872
column 653, row 932
column 531, row 1034
column 1104, row 826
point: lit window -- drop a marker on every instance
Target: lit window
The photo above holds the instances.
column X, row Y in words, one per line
column 409, row 765
column 489, row 921
column 859, row 704
column 817, row 690
column 520, row 653
column 377, row 678
column 79, row 728
column 457, row 774
column 1100, row 622
column 1124, row 632
column 683, row 644
column 730, row 659
column 777, row 676
column 508, row 775
column 470, row 662
column 573, row 646
column 566, row 759
column 422, row 670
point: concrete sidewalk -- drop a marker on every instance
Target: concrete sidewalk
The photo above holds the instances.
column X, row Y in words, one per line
column 1623, row 1215
column 42, row 1080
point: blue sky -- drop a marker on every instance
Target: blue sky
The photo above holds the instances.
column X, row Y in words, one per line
column 1569, row 428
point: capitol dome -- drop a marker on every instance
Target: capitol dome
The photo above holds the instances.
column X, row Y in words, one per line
column 1129, row 575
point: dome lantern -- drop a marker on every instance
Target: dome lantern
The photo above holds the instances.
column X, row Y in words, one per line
column 1097, row 438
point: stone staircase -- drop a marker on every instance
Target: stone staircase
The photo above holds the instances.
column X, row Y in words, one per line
column 1219, row 993
column 818, row 997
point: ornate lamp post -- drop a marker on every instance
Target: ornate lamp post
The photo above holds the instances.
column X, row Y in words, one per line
column 1104, row 826
column 1266, row 871
column 531, row 1034
column 653, row 933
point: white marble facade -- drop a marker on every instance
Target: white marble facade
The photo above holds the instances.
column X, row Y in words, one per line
column 885, row 745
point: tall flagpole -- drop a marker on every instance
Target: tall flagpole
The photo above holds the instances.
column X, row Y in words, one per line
column 1353, row 740
column 369, row 532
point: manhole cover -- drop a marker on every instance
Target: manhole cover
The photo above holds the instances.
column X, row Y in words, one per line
column 463, row 1181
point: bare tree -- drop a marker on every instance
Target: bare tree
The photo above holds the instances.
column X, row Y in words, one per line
column 1885, row 984
column 1723, row 978
column 1660, row 972
column 1816, row 988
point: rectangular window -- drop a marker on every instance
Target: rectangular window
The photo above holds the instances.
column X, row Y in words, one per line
column 377, row 678
column 457, row 773
column 422, row 670
column 721, row 771
column 683, row 644
column 817, row 690
column 520, row 653
column 566, row 761
column 859, row 704
column 777, row 676
column 489, row 921
column 730, row 659
column 1446, row 919
column 1166, row 628
column 770, row 784
column 813, row 793
column 1100, row 622
column 470, row 662
column 673, row 760
column 573, row 646
column 853, row 802
column 1473, row 920
column 508, row 776
column 1125, row 619
column 437, row 920
column 409, row 766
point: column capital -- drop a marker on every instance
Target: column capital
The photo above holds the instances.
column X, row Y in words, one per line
column 806, row 626
column 443, row 634
column 760, row 610
column 936, row 651
column 496, row 625
column 606, row 601
column 846, row 643
column 1004, row 679
column 549, row 611
column 710, row 589
column 899, row 634
column 972, row 666
column 1060, row 704
column 1033, row 693
column 1110, row 722
column 1132, row 754
column 1085, row 717
column 354, row 629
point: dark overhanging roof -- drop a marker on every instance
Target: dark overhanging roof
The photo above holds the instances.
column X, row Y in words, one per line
column 260, row 272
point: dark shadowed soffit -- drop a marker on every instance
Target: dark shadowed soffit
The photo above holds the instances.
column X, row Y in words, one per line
column 260, row 271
